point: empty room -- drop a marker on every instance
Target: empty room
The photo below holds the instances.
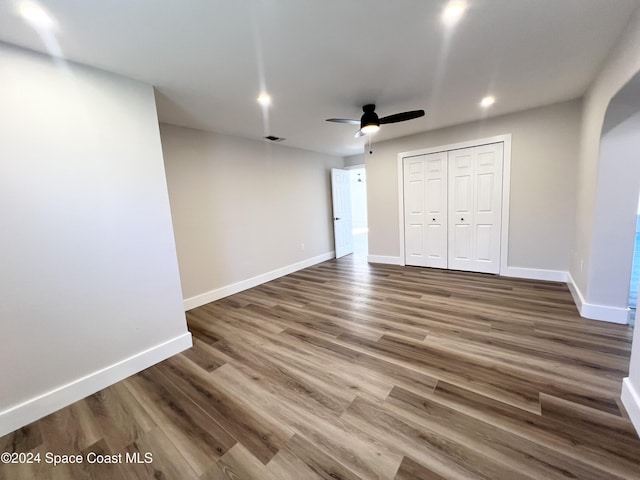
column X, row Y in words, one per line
column 296, row 239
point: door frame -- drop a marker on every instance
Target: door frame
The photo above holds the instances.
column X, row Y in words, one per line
column 506, row 189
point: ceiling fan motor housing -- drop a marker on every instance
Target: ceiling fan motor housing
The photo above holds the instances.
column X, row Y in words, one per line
column 369, row 117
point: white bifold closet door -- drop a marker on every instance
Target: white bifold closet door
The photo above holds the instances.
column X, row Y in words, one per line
column 475, row 208
column 453, row 209
column 425, row 180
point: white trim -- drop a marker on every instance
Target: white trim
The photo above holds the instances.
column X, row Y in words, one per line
column 578, row 299
column 536, row 274
column 593, row 311
column 384, row 259
column 42, row 405
column 605, row 313
column 403, row 260
column 457, row 146
column 506, row 195
column 631, row 401
column 506, row 188
column 218, row 293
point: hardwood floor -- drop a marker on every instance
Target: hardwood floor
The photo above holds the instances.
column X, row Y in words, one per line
column 354, row 371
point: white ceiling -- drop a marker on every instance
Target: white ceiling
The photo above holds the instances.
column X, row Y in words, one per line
column 209, row 59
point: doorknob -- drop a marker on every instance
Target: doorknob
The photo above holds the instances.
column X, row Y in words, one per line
column 434, row 219
column 462, row 219
column 336, row 218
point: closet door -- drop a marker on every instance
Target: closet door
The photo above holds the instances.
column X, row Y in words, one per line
column 414, row 211
column 425, row 186
column 436, row 209
column 460, row 245
column 475, row 206
column 488, row 207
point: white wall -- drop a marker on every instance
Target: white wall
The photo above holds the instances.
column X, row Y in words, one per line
column 89, row 285
column 544, row 159
column 242, row 209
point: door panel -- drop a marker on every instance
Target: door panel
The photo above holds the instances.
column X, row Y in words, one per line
column 425, row 180
column 414, row 204
column 484, row 234
column 462, row 254
column 475, row 179
column 460, row 251
column 415, row 245
column 488, row 209
column 436, row 210
column 342, row 223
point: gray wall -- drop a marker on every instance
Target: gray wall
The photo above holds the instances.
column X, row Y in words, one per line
column 243, row 208
column 600, row 171
column 544, row 159
column 88, row 269
column 622, row 64
column 615, row 215
column 353, row 160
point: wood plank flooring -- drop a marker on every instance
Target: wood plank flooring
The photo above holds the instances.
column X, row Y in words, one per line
column 352, row 371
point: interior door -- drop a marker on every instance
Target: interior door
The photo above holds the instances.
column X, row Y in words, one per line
column 425, row 210
column 488, row 207
column 436, row 209
column 460, row 244
column 342, row 223
column 475, row 208
column 414, row 211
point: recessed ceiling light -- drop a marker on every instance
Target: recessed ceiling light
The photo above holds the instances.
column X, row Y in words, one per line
column 264, row 99
column 453, row 12
column 487, row 101
column 35, row 15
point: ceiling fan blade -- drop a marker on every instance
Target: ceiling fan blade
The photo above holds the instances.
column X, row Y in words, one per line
column 344, row 120
column 359, row 133
column 401, row 117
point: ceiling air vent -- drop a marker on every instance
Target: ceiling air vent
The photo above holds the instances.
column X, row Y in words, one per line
column 274, row 138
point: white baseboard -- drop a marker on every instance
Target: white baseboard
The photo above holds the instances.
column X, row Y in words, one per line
column 593, row 311
column 536, row 274
column 631, row 401
column 605, row 313
column 384, row 259
column 218, row 293
column 578, row 299
column 42, row 405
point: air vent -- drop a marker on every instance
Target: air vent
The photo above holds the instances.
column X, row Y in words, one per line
column 274, row 139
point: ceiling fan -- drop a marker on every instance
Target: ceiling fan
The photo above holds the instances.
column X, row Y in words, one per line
column 369, row 122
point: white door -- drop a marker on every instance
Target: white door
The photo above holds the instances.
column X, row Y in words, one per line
column 475, row 208
column 342, row 224
column 414, row 211
column 488, row 207
column 425, row 183
column 461, row 199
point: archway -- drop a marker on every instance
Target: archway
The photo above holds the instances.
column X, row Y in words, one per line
column 617, row 190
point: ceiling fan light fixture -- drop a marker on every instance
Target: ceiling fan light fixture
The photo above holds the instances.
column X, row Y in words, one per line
column 369, row 123
column 371, row 128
